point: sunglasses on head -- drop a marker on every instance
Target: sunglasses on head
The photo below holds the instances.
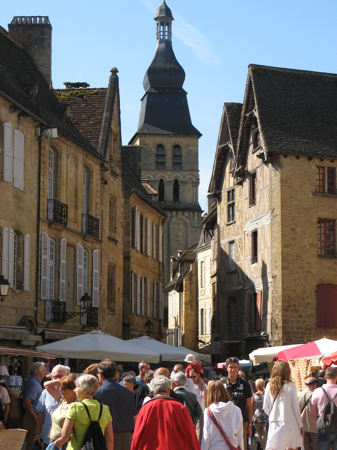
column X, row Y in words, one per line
column 233, row 360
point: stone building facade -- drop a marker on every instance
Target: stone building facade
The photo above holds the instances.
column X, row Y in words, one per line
column 169, row 144
column 144, row 222
column 284, row 180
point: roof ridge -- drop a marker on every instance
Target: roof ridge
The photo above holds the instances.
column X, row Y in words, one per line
column 281, row 69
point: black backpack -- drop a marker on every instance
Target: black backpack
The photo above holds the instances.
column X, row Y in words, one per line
column 328, row 419
column 94, row 438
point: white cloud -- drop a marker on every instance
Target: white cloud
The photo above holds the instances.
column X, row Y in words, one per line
column 189, row 35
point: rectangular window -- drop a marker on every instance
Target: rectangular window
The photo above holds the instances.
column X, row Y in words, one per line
column 327, row 306
column 231, row 205
column 326, row 237
column 331, row 180
column 232, row 315
column 231, row 256
column 252, row 188
column 201, row 321
column 202, row 274
column 112, row 288
column 254, row 247
column 254, row 305
column 112, row 216
column 51, row 270
column 320, row 181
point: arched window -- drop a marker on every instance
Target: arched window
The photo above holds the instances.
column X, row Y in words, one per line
column 160, row 157
column 161, row 191
column 176, row 191
column 177, row 157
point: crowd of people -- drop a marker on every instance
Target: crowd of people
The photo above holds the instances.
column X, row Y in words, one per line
column 162, row 410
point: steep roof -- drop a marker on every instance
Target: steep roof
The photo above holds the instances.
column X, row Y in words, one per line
column 296, row 111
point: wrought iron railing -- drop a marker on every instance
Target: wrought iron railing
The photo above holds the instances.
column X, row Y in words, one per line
column 55, row 311
column 90, row 225
column 57, row 212
column 89, row 317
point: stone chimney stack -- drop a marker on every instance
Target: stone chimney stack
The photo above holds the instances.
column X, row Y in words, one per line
column 34, row 34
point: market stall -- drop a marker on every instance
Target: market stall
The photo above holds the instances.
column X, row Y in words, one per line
column 314, row 349
column 267, row 354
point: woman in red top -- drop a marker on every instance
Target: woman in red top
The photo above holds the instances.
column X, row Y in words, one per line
column 164, row 423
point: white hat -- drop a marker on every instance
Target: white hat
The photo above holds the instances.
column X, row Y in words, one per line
column 190, row 359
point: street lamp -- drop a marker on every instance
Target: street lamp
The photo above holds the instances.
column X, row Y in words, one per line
column 4, row 286
column 148, row 327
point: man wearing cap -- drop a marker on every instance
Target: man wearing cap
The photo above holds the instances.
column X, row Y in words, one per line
column 241, row 395
column 310, row 429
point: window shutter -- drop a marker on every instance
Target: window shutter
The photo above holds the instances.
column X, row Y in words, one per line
column 132, row 292
column 10, row 256
column 138, row 295
column 258, row 310
column 161, row 302
column 63, row 256
column 138, row 231
column 209, row 320
column 8, row 153
column 327, row 305
column 148, row 237
column 154, row 300
column 143, row 231
column 19, row 143
column 154, row 242
column 134, row 226
column 204, row 320
column 44, row 265
column 4, row 259
column 160, row 238
column 249, row 301
column 148, row 298
column 143, row 299
column 95, row 279
column 26, row 262
column 200, row 329
column 79, row 273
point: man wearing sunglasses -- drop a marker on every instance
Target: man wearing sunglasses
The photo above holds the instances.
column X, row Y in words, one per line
column 241, row 395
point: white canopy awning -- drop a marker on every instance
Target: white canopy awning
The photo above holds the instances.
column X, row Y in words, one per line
column 167, row 352
column 267, row 354
column 96, row 346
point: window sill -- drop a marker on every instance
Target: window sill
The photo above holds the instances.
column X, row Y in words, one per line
column 230, row 223
column 323, row 194
column 253, row 263
column 252, row 204
column 326, row 256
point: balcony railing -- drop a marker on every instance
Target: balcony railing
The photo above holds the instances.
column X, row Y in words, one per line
column 89, row 317
column 90, row 225
column 57, row 212
column 55, row 311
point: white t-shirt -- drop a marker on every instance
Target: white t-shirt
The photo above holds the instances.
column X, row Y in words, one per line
column 4, row 397
column 200, row 398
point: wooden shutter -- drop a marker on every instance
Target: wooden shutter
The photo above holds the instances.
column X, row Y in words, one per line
column 138, row 231
column 63, row 268
column 327, row 306
column 138, row 295
column 80, row 256
column 148, row 237
column 95, row 279
column 154, row 241
column 4, row 257
column 143, row 233
column 154, row 300
column 26, row 262
column 143, row 296
column 44, row 265
column 8, row 153
column 134, row 226
column 148, row 298
column 132, row 292
column 258, row 310
column 10, row 256
column 200, row 322
column 19, row 142
column 161, row 302
column 249, row 301
column 160, row 238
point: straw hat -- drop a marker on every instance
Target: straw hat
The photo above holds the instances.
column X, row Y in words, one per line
column 190, row 359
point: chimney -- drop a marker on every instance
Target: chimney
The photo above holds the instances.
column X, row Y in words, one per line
column 34, row 34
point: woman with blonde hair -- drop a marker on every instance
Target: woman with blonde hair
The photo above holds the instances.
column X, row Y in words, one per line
column 281, row 405
column 223, row 424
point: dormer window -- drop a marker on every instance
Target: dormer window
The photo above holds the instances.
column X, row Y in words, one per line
column 160, row 157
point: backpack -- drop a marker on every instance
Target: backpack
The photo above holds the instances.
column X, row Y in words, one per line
column 327, row 421
column 94, row 438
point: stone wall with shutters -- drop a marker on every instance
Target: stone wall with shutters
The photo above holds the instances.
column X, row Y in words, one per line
column 18, row 212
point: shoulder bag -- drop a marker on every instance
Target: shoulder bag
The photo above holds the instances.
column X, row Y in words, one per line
column 211, row 415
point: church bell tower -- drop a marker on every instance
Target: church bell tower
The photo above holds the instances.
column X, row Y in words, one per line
column 169, row 143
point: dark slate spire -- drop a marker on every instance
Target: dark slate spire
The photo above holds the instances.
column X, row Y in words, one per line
column 164, row 106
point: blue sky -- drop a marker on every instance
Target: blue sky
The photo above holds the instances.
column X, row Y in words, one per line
column 213, row 40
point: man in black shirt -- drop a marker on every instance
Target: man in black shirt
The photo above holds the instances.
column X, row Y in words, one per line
column 241, row 395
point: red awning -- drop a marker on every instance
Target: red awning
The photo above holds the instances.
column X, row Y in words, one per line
column 329, row 360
